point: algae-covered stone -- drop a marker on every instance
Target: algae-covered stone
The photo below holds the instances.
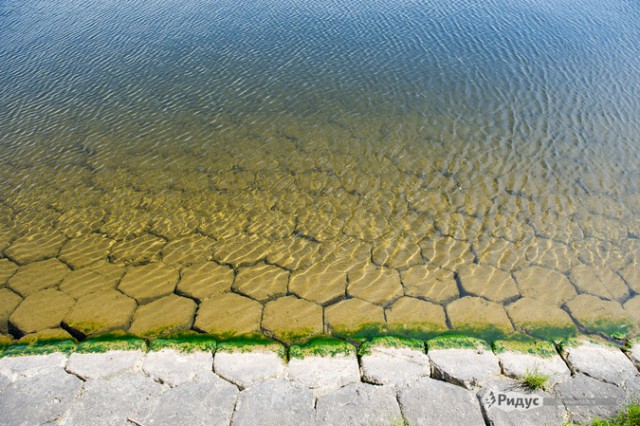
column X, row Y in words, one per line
column 522, row 358
column 354, row 317
column 9, row 301
column 100, row 312
column 457, row 341
column 49, row 335
column 41, row 310
column 85, row 250
column 188, row 250
column 291, row 319
column 430, row 283
column 489, row 282
column 83, row 282
column 112, row 341
column 544, row 284
column 185, row 341
column 477, row 316
column 7, row 269
column 539, row 319
column 163, row 316
column 600, row 316
column 145, row 248
column 205, row 280
column 34, row 247
column 149, row 282
column 322, row 347
column 38, row 276
column 321, row 283
column 229, row 315
column 600, row 282
column 374, row 284
column 262, row 282
column 415, row 318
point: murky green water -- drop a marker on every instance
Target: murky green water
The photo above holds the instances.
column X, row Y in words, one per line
column 418, row 164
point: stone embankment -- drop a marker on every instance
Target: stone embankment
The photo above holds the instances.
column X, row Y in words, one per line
column 449, row 381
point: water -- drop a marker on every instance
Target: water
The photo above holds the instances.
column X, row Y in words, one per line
column 366, row 150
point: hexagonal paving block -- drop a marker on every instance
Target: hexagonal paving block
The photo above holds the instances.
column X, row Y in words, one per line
column 82, row 282
column 9, row 301
column 41, row 310
column 415, row 318
column 354, row 317
column 320, row 283
column 163, row 316
column 478, row 316
column 291, row 319
column 99, row 312
column 597, row 315
column 188, row 250
column 632, row 306
column 600, row 282
column 84, row 250
column 38, row 276
column 205, row 280
column 7, row 269
column 544, row 284
column 37, row 246
column 262, row 282
column 539, row 319
column 144, row 248
column 430, row 283
column 149, row 282
column 229, row 315
column 374, row 284
column 489, row 282
column 397, row 253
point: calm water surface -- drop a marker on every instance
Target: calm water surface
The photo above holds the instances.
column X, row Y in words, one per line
column 370, row 150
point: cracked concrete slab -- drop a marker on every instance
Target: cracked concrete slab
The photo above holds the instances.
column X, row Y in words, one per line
column 92, row 366
column 465, row 367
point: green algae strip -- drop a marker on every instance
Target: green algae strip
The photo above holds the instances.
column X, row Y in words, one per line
column 39, row 347
column 391, row 342
column 189, row 341
column 456, row 341
column 112, row 342
column 246, row 344
column 541, row 348
column 322, row 346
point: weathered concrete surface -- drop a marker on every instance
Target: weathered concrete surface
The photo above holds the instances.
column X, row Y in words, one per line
column 466, row 367
column 433, row 402
column 540, row 319
column 394, row 366
column 291, row 319
column 606, row 363
column 518, row 365
column 586, row 398
column 208, row 403
column 41, row 310
column 173, row 368
column 113, row 401
column 550, row 412
column 247, row 369
column 99, row 312
column 634, row 354
column 41, row 398
column 323, row 374
column 93, row 366
column 358, row 404
column 32, row 365
column 275, row 402
column 415, row 317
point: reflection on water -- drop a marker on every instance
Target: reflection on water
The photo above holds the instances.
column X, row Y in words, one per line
column 400, row 153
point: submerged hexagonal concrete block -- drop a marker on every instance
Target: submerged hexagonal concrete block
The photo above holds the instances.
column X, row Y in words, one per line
column 291, row 319
column 229, row 315
column 99, row 312
column 163, row 316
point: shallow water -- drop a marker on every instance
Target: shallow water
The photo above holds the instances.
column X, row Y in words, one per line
column 330, row 151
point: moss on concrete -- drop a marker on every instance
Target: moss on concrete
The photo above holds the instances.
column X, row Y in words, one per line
column 541, row 348
column 112, row 342
column 391, row 342
column 39, row 347
column 456, row 341
column 322, row 346
column 250, row 345
column 188, row 341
